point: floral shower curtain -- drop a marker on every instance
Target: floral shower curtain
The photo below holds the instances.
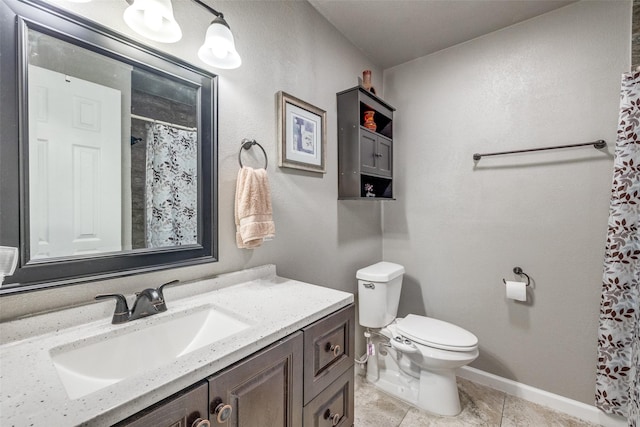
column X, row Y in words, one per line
column 618, row 370
column 171, row 186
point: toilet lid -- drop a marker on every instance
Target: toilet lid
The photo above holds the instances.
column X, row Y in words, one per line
column 380, row 272
column 436, row 333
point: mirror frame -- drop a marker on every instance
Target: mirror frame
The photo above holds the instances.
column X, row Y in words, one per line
column 16, row 17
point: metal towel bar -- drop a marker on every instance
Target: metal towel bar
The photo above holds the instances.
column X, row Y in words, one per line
column 599, row 144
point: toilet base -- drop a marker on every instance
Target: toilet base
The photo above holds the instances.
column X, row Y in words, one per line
column 434, row 391
column 439, row 392
column 398, row 385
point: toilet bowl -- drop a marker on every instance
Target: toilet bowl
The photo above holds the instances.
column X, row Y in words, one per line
column 414, row 358
column 441, row 348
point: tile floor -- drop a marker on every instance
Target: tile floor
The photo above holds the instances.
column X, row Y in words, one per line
column 481, row 406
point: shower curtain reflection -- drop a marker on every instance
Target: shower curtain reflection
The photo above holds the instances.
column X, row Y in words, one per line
column 171, row 186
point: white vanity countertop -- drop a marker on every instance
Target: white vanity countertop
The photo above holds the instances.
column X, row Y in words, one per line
column 32, row 394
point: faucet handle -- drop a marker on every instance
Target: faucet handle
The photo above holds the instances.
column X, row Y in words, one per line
column 163, row 305
column 121, row 314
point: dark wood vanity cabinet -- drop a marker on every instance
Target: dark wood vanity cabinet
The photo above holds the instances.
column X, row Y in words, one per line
column 262, row 390
column 328, row 346
column 305, row 379
column 328, row 370
column 333, row 406
column 188, row 408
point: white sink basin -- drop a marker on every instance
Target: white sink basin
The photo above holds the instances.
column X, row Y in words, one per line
column 90, row 365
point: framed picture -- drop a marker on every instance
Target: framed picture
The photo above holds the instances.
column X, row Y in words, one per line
column 302, row 130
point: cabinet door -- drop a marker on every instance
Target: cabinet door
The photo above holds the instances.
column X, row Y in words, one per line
column 368, row 152
column 181, row 410
column 384, row 157
column 375, row 154
column 334, row 406
column 263, row 390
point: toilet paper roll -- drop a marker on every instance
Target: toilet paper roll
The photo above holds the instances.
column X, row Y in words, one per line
column 516, row 290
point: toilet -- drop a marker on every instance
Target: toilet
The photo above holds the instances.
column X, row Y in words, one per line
column 413, row 358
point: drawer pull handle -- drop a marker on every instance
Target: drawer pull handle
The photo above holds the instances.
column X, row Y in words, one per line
column 334, row 348
column 223, row 412
column 335, row 418
column 199, row 422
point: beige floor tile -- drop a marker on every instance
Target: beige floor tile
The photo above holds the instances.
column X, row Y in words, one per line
column 374, row 408
column 481, row 406
column 519, row 413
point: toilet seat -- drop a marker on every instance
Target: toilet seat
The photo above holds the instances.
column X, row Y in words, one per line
column 436, row 333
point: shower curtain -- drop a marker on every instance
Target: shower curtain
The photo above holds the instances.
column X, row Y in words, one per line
column 618, row 369
column 171, row 186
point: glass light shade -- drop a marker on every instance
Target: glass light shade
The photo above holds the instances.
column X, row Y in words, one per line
column 154, row 20
column 219, row 49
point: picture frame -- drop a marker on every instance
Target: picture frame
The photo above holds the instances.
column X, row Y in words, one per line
column 302, row 134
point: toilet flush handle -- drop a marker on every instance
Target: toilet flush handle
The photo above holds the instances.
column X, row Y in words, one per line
column 369, row 285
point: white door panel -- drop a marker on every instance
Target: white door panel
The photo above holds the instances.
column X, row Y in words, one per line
column 74, row 165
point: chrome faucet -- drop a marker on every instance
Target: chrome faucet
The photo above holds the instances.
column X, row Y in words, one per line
column 148, row 302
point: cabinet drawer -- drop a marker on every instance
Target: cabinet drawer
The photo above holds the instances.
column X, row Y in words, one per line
column 334, row 405
column 328, row 350
column 181, row 410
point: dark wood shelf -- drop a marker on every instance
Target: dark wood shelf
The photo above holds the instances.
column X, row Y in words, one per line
column 365, row 155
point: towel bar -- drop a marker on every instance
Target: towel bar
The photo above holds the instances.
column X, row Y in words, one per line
column 247, row 144
column 599, row 144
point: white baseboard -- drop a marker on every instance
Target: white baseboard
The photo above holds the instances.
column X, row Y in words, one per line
column 554, row 401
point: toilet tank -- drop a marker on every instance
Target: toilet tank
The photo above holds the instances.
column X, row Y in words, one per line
column 379, row 288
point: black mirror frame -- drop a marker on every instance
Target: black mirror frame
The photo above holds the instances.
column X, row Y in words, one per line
column 16, row 16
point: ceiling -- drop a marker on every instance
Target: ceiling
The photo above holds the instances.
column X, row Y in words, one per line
column 391, row 32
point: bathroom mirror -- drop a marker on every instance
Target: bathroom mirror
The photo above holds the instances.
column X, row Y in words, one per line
column 108, row 156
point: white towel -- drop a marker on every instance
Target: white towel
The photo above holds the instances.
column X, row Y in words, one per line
column 253, row 214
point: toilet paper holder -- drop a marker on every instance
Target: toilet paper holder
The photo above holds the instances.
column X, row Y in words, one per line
column 519, row 272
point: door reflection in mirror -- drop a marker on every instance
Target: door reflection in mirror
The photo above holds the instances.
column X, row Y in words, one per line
column 113, row 154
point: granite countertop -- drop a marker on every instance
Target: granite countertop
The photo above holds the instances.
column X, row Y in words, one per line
column 32, row 393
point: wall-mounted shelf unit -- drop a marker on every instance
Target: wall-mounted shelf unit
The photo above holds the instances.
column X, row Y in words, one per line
column 365, row 150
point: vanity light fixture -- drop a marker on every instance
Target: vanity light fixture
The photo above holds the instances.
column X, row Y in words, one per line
column 218, row 49
column 153, row 19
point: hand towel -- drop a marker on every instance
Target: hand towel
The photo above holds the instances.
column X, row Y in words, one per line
column 254, row 219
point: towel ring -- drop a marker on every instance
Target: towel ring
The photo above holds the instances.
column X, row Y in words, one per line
column 519, row 272
column 247, row 144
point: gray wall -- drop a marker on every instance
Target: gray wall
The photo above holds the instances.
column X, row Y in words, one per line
column 460, row 227
column 284, row 46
